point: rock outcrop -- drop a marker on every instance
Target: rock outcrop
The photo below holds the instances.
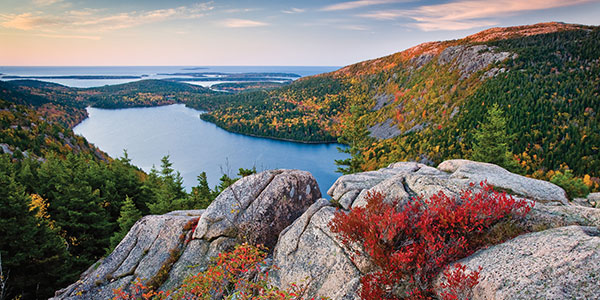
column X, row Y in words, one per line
column 558, row 259
column 255, row 208
column 561, row 263
column 385, row 130
column 309, row 254
column 470, row 59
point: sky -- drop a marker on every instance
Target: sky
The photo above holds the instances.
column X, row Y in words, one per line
column 252, row 32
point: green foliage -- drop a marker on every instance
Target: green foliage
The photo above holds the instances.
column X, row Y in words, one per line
column 25, row 129
column 491, row 142
column 246, row 172
column 169, row 193
column 129, row 215
column 574, row 187
column 73, row 188
column 34, row 257
column 201, row 194
column 355, row 136
column 295, row 112
column 549, row 93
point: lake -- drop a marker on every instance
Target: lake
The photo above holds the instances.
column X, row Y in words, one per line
column 195, row 145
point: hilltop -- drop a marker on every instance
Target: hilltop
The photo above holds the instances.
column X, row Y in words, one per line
column 424, row 103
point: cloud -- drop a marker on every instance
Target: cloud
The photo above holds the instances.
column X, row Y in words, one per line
column 466, row 14
column 353, row 27
column 66, row 36
column 357, row 4
column 242, row 23
column 93, row 21
column 239, row 10
column 293, row 10
column 46, row 2
column 29, row 21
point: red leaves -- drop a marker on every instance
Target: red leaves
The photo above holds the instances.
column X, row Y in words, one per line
column 237, row 274
column 458, row 283
column 414, row 241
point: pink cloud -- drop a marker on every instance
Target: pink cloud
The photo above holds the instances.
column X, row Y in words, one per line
column 465, row 14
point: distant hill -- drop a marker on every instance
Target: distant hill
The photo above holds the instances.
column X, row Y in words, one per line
column 424, row 103
column 148, row 92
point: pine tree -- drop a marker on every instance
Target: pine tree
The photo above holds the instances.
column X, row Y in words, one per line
column 169, row 194
column 34, row 258
column 491, row 143
column 77, row 206
column 201, row 195
column 355, row 136
column 129, row 215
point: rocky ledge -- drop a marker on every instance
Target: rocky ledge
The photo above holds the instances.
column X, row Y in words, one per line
column 282, row 209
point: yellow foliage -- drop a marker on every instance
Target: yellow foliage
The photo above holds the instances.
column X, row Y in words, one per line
column 39, row 203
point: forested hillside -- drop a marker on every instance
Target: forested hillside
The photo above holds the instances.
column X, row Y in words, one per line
column 63, row 202
column 149, row 92
column 426, row 102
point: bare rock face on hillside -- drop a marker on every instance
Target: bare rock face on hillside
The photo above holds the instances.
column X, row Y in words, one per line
column 256, row 208
column 561, row 263
column 384, row 130
column 470, row 59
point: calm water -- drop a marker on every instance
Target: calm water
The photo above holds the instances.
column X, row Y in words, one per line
column 195, row 145
column 150, row 72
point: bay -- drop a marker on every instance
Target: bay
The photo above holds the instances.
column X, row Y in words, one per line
column 195, row 145
column 144, row 72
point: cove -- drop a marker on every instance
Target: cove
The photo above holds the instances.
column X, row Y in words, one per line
column 195, row 145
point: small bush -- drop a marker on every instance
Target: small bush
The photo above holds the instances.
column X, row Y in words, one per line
column 575, row 187
column 239, row 274
column 458, row 283
column 412, row 243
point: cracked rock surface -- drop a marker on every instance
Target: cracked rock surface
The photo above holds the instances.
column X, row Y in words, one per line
column 308, row 254
column 283, row 210
column 139, row 255
column 256, row 209
column 560, row 263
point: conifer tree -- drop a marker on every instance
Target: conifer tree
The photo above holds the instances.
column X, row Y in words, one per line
column 129, row 215
column 201, row 195
column 170, row 194
column 34, row 257
column 491, row 143
column 77, row 206
column 355, row 136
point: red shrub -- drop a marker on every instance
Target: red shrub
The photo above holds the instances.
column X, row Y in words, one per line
column 411, row 243
column 237, row 274
column 458, row 283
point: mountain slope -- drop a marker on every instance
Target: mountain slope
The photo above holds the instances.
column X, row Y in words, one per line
column 424, row 103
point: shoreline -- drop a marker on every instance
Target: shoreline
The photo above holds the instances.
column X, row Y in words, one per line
column 231, row 131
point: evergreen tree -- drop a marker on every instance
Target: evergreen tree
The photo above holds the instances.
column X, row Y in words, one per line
column 355, row 136
column 169, row 194
column 128, row 216
column 246, row 172
column 34, row 257
column 491, row 143
column 149, row 191
column 201, row 195
column 76, row 206
column 224, row 182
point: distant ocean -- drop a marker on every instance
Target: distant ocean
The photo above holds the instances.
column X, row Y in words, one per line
column 147, row 72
